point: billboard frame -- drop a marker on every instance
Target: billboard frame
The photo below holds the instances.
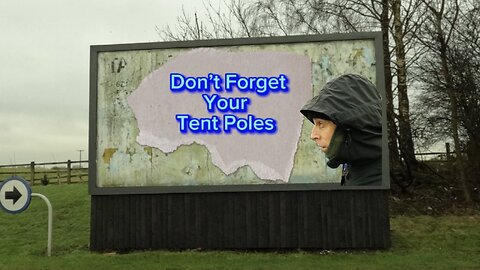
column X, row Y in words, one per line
column 95, row 50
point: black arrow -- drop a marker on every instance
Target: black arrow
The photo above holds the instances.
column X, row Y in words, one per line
column 13, row 195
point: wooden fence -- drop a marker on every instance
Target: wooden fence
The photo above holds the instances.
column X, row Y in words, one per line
column 48, row 172
column 437, row 156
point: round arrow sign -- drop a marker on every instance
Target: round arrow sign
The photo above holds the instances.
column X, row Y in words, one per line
column 15, row 195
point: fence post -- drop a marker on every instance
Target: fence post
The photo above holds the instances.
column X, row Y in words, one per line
column 32, row 172
column 447, row 146
column 69, row 171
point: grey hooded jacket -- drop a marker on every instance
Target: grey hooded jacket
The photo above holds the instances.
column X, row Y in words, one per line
column 353, row 103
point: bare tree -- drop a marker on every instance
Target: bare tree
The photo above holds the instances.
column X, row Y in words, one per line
column 464, row 59
column 392, row 127
column 437, row 36
column 405, row 130
column 239, row 20
column 287, row 17
column 406, row 22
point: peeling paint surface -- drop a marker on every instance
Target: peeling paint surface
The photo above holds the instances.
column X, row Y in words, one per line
column 122, row 161
column 270, row 156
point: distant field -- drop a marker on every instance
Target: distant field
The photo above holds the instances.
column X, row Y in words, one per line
column 420, row 242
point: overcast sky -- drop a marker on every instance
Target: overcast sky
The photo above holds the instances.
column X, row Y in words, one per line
column 44, row 65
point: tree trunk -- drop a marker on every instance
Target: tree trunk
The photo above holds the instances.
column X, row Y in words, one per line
column 392, row 127
column 405, row 130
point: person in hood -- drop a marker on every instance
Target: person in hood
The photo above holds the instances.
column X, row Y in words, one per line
column 347, row 127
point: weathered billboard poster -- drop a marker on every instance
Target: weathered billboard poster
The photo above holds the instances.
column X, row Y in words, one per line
column 220, row 113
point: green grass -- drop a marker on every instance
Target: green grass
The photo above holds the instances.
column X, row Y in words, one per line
column 421, row 242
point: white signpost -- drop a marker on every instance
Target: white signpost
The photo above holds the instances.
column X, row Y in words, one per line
column 15, row 197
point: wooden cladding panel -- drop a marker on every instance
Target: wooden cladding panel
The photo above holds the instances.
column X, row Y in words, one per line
column 318, row 219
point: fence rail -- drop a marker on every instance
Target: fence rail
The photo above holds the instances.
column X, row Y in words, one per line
column 33, row 173
column 439, row 156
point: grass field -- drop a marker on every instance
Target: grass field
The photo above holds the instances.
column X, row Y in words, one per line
column 418, row 242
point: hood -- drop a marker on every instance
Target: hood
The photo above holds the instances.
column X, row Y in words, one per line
column 353, row 103
column 350, row 101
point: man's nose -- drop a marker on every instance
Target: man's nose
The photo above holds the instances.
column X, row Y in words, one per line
column 314, row 134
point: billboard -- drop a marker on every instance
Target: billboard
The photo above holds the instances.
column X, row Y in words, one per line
column 224, row 115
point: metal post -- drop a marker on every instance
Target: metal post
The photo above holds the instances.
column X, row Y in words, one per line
column 49, row 206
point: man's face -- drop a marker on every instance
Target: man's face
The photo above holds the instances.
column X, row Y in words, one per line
column 322, row 132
